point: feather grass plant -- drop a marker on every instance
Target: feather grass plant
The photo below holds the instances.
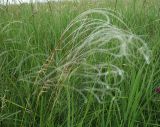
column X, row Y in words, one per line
column 100, row 72
column 87, row 51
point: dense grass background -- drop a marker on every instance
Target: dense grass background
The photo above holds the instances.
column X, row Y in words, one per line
column 27, row 38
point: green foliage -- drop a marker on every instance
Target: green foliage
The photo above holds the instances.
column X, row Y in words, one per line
column 48, row 74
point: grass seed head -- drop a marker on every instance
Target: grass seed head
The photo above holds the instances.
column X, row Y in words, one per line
column 90, row 45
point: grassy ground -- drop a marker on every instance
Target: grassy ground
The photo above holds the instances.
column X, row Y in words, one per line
column 30, row 99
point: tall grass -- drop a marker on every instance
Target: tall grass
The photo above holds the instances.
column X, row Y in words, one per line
column 68, row 64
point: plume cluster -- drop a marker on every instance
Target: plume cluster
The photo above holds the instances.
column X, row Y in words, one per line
column 88, row 55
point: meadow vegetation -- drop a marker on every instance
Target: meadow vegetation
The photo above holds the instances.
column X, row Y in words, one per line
column 80, row 64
